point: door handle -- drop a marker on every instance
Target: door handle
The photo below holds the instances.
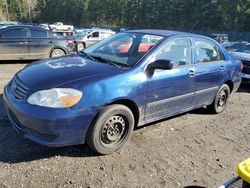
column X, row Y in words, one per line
column 51, row 42
column 191, row 73
column 222, row 67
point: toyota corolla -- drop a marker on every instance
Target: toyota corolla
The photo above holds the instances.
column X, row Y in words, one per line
column 101, row 94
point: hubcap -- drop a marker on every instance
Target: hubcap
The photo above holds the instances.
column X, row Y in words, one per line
column 57, row 53
column 113, row 129
column 222, row 98
column 80, row 47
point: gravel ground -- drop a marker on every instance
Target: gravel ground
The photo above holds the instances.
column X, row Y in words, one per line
column 194, row 148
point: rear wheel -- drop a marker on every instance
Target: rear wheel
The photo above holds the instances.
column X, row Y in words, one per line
column 57, row 53
column 111, row 130
column 221, row 100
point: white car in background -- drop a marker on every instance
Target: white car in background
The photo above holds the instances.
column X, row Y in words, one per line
column 88, row 37
column 59, row 26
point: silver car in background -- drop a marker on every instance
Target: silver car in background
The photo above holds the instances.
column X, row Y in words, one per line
column 87, row 37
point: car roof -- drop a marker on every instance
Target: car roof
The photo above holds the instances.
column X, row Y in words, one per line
column 27, row 26
column 164, row 33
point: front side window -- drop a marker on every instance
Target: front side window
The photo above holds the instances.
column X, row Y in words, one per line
column 178, row 51
column 123, row 48
column 95, row 35
column 206, row 52
column 38, row 34
column 15, row 33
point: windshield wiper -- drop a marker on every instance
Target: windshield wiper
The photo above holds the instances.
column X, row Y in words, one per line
column 84, row 54
column 116, row 64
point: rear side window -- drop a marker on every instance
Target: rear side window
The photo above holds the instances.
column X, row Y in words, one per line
column 206, row 51
column 38, row 33
column 15, row 33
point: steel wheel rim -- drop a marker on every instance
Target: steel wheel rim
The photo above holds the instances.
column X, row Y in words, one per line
column 114, row 130
column 222, row 99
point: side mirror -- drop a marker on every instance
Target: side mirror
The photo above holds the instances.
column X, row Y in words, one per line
column 161, row 64
column 88, row 36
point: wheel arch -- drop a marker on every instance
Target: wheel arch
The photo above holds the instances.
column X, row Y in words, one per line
column 132, row 106
column 230, row 85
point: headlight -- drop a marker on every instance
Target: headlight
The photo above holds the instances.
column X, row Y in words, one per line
column 56, row 97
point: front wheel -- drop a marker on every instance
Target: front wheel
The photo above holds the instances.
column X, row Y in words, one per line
column 80, row 47
column 221, row 100
column 111, row 130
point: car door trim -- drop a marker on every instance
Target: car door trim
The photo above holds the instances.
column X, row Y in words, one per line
column 206, row 90
column 170, row 99
column 182, row 96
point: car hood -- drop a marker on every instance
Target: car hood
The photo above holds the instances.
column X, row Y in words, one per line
column 59, row 71
column 241, row 56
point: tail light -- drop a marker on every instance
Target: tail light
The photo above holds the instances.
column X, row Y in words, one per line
column 70, row 41
column 241, row 66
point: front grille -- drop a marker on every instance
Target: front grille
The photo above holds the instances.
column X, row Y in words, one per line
column 18, row 88
column 246, row 67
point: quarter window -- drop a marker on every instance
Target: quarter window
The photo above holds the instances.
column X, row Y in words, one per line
column 15, row 33
column 178, row 51
column 206, row 51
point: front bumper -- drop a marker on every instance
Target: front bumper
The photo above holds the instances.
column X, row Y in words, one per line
column 48, row 126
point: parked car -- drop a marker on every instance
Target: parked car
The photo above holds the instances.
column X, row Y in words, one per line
column 243, row 54
column 10, row 23
column 31, row 42
column 234, row 46
column 101, row 94
column 59, row 26
column 91, row 36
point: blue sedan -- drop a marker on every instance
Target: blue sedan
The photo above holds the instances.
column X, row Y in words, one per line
column 101, row 94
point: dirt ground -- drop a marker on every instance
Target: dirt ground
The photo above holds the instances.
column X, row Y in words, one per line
column 194, row 148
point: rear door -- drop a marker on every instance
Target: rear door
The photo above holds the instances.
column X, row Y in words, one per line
column 39, row 44
column 209, row 70
column 13, row 43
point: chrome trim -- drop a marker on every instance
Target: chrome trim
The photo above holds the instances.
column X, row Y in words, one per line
column 182, row 96
column 170, row 99
column 206, row 90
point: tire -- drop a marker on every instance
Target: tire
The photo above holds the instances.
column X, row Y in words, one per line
column 57, row 53
column 80, row 47
column 111, row 130
column 221, row 100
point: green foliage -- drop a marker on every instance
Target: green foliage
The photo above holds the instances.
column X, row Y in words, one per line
column 186, row 15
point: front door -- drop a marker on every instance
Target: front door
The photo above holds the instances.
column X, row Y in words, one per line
column 93, row 38
column 171, row 91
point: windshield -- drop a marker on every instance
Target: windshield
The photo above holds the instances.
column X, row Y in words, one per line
column 81, row 33
column 124, row 48
column 245, row 49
